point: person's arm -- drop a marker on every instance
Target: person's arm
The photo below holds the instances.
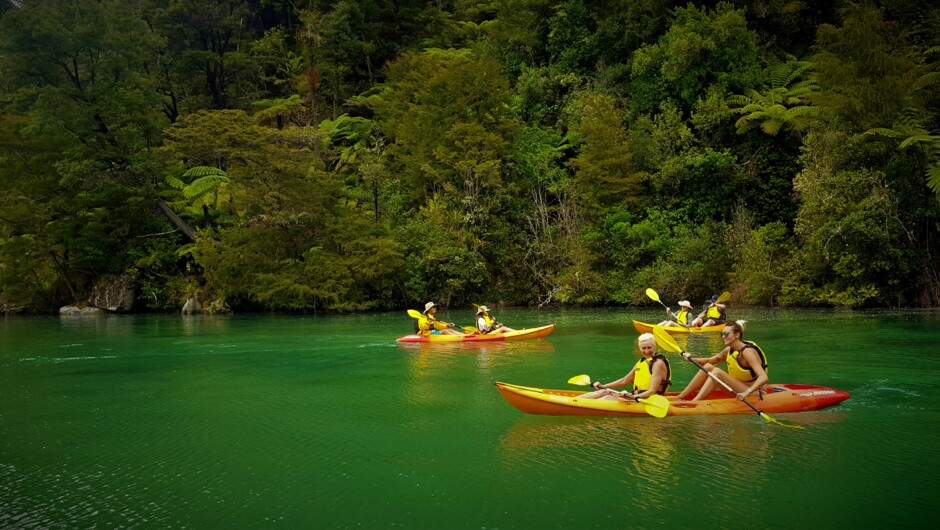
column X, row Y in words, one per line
column 753, row 362
column 618, row 383
column 713, row 360
column 441, row 325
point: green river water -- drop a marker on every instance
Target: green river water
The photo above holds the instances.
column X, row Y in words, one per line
column 326, row 422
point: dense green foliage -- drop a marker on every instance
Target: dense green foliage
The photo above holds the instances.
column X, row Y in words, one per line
column 354, row 154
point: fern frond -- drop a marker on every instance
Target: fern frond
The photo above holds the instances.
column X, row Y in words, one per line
column 933, row 178
column 804, row 111
column 771, row 127
column 738, row 100
column 204, row 185
column 747, row 123
column 926, row 80
column 882, row 131
column 185, row 249
column 911, row 117
column 175, row 183
column 928, row 139
column 202, row 171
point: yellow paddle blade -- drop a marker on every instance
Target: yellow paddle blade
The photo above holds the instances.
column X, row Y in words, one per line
column 654, row 296
column 724, row 297
column 470, row 329
column 768, row 418
column 582, row 380
column 414, row 314
column 665, row 341
column 656, row 405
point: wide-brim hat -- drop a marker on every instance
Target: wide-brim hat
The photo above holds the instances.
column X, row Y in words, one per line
column 428, row 306
column 685, row 303
column 482, row 309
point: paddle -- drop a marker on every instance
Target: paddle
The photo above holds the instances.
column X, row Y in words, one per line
column 654, row 296
column 668, row 343
column 656, row 405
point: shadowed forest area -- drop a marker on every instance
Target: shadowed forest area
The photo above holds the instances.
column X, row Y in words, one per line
column 367, row 154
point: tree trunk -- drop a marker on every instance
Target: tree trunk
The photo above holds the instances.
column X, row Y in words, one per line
column 176, row 220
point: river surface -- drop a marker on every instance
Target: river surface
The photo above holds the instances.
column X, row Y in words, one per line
column 326, row 422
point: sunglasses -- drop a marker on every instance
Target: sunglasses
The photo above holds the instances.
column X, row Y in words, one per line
column 725, row 333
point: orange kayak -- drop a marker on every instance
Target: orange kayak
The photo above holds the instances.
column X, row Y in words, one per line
column 519, row 334
column 643, row 327
column 777, row 398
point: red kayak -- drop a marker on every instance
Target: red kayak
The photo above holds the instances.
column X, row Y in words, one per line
column 521, row 334
column 777, row 398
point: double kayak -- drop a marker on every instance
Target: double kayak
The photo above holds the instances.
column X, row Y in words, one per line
column 519, row 334
column 643, row 327
column 777, row 398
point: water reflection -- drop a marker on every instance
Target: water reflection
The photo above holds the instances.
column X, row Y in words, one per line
column 199, row 324
column 716, row 457
column 630, row 452
column 486, row 354
column 432, row 368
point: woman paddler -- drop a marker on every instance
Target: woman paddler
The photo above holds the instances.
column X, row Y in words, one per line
column 747, row 366
column 650, row 375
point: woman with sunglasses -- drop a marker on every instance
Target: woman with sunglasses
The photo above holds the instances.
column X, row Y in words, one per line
column 747, row 366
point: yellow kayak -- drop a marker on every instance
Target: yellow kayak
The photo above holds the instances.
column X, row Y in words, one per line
column 643, row 327
column 520, row 334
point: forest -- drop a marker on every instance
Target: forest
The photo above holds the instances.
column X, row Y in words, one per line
column 348, row 155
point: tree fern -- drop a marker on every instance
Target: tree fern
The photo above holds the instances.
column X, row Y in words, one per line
column 910, row 126
column 201, row 193
column 204, row 186
column 783, row 105
column 276, row 110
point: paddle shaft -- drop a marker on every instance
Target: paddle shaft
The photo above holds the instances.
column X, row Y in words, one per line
column 655, row 296
column 639, row 400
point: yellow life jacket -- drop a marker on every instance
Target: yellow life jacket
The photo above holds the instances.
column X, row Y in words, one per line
column 741, row 373
column 682, row 317
column 715, row 313
column 428, row 323
column 643, row 373
column 423, row 326
column 487, row 323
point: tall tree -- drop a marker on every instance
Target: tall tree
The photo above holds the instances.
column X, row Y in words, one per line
column 703, row 48
column 77, row 73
